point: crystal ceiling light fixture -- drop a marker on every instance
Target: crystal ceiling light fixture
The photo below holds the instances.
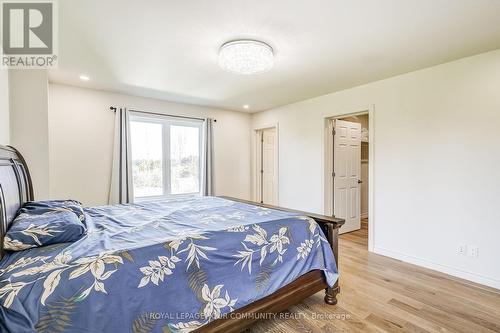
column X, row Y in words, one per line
column 246, row 57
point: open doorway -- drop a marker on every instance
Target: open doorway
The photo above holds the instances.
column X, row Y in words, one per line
column 348, row 172
column 266, row 165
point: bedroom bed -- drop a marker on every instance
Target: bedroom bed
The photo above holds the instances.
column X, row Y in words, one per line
column 205, row 264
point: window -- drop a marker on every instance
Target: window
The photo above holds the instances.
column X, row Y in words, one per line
column 166, row 156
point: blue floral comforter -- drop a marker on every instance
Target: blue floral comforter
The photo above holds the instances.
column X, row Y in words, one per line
column 159, row 266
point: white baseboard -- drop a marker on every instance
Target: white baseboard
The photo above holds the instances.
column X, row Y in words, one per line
column 457, row 272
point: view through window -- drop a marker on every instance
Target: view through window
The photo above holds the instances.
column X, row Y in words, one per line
column 166, row 156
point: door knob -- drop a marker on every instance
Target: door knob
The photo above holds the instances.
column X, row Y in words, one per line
column 359, row 181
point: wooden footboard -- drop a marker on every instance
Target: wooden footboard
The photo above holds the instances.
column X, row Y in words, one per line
column 291, row 294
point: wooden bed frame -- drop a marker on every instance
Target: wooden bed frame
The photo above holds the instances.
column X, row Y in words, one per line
column 16, row 189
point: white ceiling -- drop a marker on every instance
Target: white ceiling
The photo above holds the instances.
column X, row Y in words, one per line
column 168, row 49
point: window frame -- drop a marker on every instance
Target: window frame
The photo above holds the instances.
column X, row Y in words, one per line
column 166, row 122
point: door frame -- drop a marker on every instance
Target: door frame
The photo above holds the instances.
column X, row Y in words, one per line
column 328, row 165
column 255, row 173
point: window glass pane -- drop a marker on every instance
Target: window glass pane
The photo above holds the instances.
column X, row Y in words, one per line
column 184, row 159
column 147, row 158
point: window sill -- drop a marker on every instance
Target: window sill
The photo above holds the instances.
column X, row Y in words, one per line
column 166, row 197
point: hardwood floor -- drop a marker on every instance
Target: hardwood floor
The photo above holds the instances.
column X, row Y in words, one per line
column 379, row 294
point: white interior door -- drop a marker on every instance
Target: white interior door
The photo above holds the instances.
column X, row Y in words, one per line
column 347, row 173
column 268, row 165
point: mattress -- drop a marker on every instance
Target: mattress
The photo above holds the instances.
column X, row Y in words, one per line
column 159, row 266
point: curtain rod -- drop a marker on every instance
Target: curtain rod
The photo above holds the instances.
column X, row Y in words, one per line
column 113, row 108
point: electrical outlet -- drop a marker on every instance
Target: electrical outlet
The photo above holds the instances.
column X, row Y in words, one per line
column 473, row 251
column 462, row 249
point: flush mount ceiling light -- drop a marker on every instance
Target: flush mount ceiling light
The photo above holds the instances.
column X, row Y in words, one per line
column 84, row 77
column 246, row 57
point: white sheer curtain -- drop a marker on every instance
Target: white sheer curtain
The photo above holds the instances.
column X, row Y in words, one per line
column 121, row 188
column 208, row 162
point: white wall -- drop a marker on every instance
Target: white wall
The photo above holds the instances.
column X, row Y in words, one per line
column 81, row 142
column 436, row 162
column 29, row 124
column 4, row 107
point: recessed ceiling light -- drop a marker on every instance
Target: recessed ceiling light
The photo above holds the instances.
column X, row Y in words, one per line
column 246, row 57
column 84, row 77
column 246, row 106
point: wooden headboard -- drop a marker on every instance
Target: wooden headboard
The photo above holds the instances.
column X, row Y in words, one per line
column 15, row 187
